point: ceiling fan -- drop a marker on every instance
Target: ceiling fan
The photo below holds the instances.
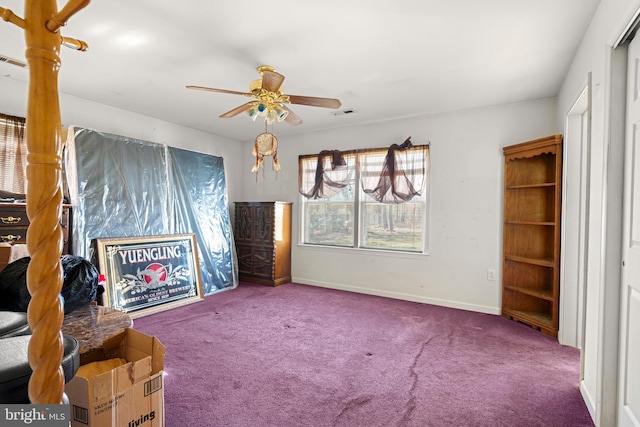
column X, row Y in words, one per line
column 270, row 100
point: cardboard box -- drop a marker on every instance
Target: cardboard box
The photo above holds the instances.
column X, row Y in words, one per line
column 10, row 253
column 5, row 253
column 131, row 395
column 18, row 251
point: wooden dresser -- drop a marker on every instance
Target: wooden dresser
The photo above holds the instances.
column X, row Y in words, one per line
column 263, row 242
column 14, row 224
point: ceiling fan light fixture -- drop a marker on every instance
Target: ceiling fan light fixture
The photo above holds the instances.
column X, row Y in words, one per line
column 271, row 116
column 280, row 112
column 253, row 113
column 262, row 109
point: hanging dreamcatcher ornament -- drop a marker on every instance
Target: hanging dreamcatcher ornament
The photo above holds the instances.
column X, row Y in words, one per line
column 266, row 145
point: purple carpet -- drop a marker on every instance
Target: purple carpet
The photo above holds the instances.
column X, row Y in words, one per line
column 300, row 356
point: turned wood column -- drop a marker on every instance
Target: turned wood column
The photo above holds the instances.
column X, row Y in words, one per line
column 44, row 191
column 44, row 204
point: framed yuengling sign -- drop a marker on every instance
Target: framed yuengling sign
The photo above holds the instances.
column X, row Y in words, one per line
column 145, row 275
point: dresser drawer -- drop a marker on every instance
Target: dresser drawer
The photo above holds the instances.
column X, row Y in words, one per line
column 13, row 217
column 14, row 224
column 13, row 234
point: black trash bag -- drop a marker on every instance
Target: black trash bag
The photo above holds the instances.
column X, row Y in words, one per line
column 14, row 295
column 79, row 286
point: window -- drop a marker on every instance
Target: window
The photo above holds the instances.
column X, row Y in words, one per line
column 13, row 154
column 373, row 198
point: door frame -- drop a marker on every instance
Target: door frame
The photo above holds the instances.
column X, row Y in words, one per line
column 575, row 217
column 604, row 194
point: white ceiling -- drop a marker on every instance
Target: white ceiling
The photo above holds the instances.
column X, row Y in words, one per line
column 382, row 59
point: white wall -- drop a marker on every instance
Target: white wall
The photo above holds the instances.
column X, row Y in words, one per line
column 91, row 115
column 595, row 56
column 466, row 204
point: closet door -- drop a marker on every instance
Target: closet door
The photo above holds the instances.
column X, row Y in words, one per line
column 629, row 380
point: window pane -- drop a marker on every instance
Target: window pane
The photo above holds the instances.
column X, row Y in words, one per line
column 329, row 223
column 393, row 226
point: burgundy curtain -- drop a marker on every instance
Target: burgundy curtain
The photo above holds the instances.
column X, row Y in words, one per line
column 388, row 175
column 325, row 175
column 395, row 176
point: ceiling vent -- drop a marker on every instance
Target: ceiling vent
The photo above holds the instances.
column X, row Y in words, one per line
column 12, row 61
column 343, row 112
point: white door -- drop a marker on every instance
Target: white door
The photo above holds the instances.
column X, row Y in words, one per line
column 629, row 379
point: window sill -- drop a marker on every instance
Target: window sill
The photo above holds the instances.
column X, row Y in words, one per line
column 363, row 251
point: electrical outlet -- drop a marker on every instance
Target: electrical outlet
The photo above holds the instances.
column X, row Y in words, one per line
column 491, row 274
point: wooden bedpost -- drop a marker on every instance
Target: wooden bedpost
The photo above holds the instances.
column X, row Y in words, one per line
column 44, row 190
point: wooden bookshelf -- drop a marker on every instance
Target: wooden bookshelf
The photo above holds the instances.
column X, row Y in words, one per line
column 531, row 233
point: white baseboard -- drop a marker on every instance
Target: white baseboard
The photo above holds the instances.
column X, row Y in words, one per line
column 586, row 396
column 398, row 295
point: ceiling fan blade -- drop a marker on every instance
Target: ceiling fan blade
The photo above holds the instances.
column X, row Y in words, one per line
column 238, row 110
column 291, row 118
column 210, row 89
column 314, row 101
column 271, row 81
